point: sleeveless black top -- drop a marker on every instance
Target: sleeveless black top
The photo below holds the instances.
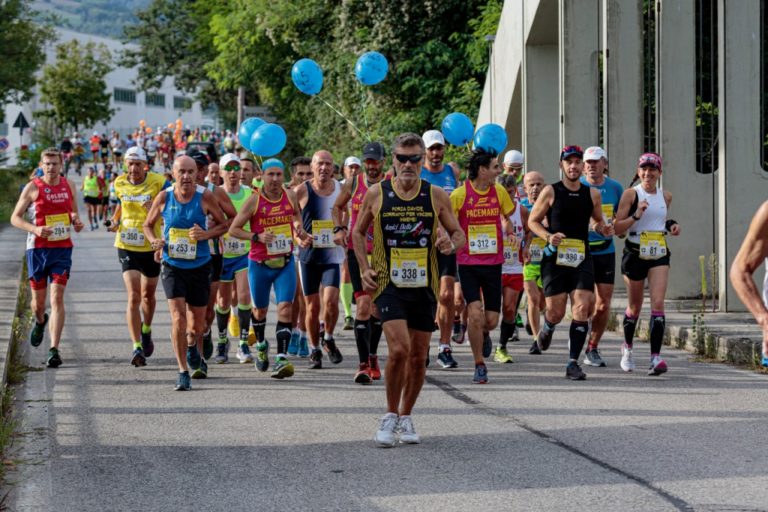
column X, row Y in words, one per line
column 571, row 211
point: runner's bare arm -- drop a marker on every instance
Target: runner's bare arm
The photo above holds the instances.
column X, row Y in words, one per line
column 597, row 214
column 225, row 203
column 115, row 220
column 27, row 197
column 338, row 210
column 301, row 194
column 152, row 217
column 751, row 255
column 211, row 206
column 367, row 213
column 242, row 217
column 75, row 215
column 674, row 229
column 298, row 225
column 539, row 212
column 623, row 220
column 448, row 221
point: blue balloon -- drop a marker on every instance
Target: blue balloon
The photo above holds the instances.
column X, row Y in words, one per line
column 247, row 127
column 371, row 68
column 307, row 76
column 268, row 140
column 457, row 128
column 491, row 138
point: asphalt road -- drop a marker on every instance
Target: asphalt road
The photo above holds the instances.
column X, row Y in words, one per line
column 101, row 435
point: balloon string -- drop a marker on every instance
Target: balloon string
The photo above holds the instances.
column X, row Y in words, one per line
column 362, row 107
column 342, row 116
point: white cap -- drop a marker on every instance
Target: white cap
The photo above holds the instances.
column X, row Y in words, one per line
column 135, row 153
column 229, row 157
column 352, row 160
column 594, row 153
column 514, row 157
column 95, row 133
column 433, row 137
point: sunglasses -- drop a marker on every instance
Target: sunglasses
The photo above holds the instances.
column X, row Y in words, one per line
column 414, row 159
column 232, row 168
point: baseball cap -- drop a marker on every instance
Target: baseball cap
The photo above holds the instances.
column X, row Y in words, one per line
column 569, row 151
column 228, row 158
column 135, row 153
column 95, row 133
column 649, row 160
column 594, row 153
column 432, row 137
column 514, row 157
column 200, row 158
column 352, row 160
column 373, row 151
column 272, row 162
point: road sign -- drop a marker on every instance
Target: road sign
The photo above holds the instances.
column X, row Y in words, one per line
column 21, row 123
column 3, row 144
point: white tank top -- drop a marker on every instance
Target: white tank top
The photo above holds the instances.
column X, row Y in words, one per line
column 654, row 218
column 517, row 223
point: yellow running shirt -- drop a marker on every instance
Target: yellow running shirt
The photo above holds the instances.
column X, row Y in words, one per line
column 130, row 235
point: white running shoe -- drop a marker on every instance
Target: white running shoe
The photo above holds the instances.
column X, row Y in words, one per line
column 627, row 359
column 658, row 366
column 385, row 435
column 408, row 434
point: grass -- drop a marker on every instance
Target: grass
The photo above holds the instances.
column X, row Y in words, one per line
column 11, row 181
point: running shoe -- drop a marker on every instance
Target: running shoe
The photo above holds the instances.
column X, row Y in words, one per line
column 147, row 345
column 764, row 362
column 487, row 345
column 138, row 358
column 545, row 339
column 481, row 374
column 528, row 329
column 514, row 337
column 458, row 337
column 282, row 369
column 445, row 359
column 193, row 358
column 38, row 331
column 627, row 359
column 316, row 359
column 334, row 354
column 293, row 345
column 658, row 366
column 262, row 357
column 201, row 371
column 244, row 353
column 502, row 356
column 373, row 363
column 54, row 359
column 251, row 336
column 519, row 320
column 207, row 345
column 593, row 358
column 573, row 371
column 363, row 375
column 222, row 353
column 385, row 435
column 234, row 325
column 303, row 347
column 349, row 323
column 407, row 433
column 183, row 383
column 534, row 350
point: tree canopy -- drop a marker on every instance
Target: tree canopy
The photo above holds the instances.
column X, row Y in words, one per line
column 436, row 50
column 75, row 86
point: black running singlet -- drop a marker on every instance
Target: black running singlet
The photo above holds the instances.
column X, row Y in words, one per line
column 571, row 211
column 405, row 231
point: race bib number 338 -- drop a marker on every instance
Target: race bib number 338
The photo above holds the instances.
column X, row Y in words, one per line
column 408, row 268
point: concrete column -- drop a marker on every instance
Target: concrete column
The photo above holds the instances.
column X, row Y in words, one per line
column 622, row 86
column 676, row 139
column 579, row 40
column 540, row 88
column 741, row 181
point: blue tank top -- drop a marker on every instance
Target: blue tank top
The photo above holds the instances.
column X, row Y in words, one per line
column 444, row 179
column 317, row 214
column 527, row 203
column 181, row 217
column 610, row 193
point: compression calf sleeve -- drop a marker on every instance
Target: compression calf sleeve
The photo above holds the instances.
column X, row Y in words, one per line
column 658, row 324
column 629, row 322
column 222, row 319
column 362, row 335
column 346, row 298
column 283, row 336
column 577, row 338
column 244, row 317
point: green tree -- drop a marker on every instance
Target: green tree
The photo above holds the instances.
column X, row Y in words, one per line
column 23, row 42
column 75, row 87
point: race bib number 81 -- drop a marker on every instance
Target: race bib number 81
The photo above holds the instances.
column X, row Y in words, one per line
column 652, row 245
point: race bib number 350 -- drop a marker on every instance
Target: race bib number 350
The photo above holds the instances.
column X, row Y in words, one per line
column 652, row 245
column 570, row 252
column 282, row 242
column 322, row 234
column 180, row 246
column 408, row 268
column 60, row 224
column 482, row 239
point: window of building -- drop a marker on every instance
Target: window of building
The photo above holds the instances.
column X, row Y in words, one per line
column 763, row 86
column 649, row 76
column 182, row 103
column 154, row 99
column 125, row 95
column 706, row 86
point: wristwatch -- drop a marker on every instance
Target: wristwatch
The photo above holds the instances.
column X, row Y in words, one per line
column 255, row 237
column 338, row 228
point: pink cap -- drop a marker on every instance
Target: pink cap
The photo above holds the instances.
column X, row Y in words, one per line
column 649, row 160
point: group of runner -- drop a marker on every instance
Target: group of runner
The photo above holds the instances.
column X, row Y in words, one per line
column 423, row 251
